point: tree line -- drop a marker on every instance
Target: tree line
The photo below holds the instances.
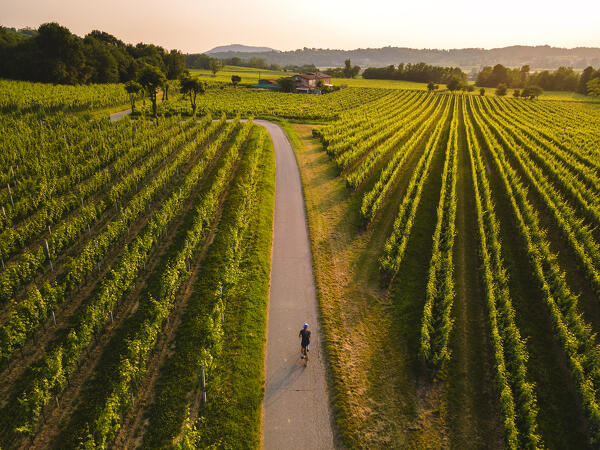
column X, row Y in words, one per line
column 53, row 54
column 419, row 72
column 539, row 57
column 206, row 62
column 561, row 79
column 348, row 71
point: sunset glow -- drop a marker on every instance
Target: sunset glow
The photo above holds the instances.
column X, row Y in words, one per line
column 196, row 26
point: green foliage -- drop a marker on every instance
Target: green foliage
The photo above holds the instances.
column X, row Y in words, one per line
column 454, row 83
column 215, row 65
column 420, row 72
column 192, row 86
column 151, row 78
column 531, row 92
column 133, row 89
column 286, row 84
column 501, row 90
column 53, row 54
column 593, row 87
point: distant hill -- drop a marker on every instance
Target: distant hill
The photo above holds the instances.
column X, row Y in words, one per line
column 538, row 57
column 238, row 48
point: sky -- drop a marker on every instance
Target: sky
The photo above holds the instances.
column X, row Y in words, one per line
column 199, row 25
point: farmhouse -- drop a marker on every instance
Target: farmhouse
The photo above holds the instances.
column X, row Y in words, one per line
column 310, row 82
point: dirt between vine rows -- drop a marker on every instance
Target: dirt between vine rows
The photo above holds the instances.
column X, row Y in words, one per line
column 50, row 428
column 32, row 350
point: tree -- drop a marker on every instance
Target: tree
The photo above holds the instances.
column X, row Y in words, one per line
column 165, row 90
column 482, row 92
column 431, row 86
column 586, row 76
column 532, row 91
column 192, row 87
column 61, row 57
column 235, row 80
column 215, row 65
column 500, row 75
column 524, row 72
column 516, row 93
column 593, row 87
column 133, row 88
column 175, row 64
column 501, row 89
column 152, row 79
column 454, row 83
column 286, row 84
column 349, row 71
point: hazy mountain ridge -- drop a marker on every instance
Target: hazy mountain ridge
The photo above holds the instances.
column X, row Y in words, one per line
column 538, row 57
column 240, row 48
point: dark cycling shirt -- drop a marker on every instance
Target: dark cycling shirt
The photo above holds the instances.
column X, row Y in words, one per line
column 305, row 337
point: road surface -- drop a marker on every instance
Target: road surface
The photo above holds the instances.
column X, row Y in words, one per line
column 118, row 115
column 296, row 405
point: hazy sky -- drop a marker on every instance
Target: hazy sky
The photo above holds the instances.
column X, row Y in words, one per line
column 199, row 25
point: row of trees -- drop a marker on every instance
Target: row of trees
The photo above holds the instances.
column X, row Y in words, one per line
column 348, row 71
column 150, row 80
column 207, row 62
column 562, row 79
column 420, row 72
column 55, row 55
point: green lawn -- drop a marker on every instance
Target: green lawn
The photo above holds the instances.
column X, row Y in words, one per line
column 249, row 75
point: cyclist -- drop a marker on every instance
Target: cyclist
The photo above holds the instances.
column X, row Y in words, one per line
column 305, row 335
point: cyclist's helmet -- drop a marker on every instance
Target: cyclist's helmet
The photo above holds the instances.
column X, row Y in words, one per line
column 305, row 325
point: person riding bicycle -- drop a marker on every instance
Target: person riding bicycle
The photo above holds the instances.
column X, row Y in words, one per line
column 305, row 335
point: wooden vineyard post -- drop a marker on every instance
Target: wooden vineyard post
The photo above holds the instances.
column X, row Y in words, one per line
column 203, row 379
column 10, row 194
column 48, row 254
column 188, row 266
column 3, row 266
column 53, row 318
column 221, row 295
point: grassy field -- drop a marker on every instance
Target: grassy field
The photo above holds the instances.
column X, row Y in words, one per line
column 249, row 75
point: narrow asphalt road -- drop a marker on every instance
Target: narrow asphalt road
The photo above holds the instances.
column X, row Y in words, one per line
column 296, row 405
column 118, row 115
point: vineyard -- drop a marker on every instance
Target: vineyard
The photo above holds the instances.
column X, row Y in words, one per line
column 516, row 184
column 456, row 249
column 119, row 242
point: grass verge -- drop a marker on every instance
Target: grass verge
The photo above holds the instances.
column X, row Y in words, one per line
column 370, row 375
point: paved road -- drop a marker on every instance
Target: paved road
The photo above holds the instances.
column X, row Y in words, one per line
column 296, row 406
column 118, row 115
